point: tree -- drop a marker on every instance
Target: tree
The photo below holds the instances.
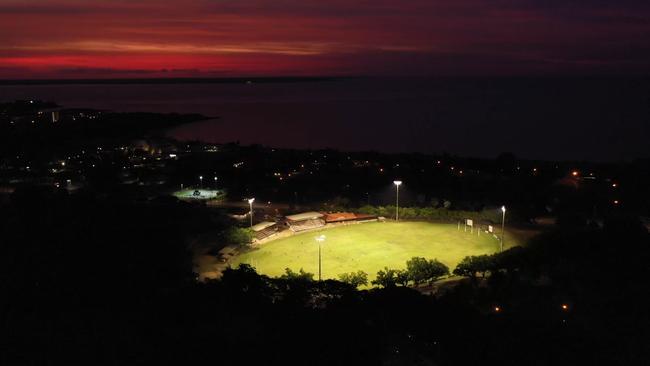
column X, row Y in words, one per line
column 402, row 277
column 466, row 268
column 369, row 210
column 422, row 270
column 355, row 279
column 510, row 259
column 437, row 269
column 385, row 278
column 483, row 264
column 301, row 275
column 418, row 270
column 239, row 236
column 472, row 265
column 244, row 281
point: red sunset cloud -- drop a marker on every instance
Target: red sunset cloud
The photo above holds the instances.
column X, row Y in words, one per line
column 74, row 38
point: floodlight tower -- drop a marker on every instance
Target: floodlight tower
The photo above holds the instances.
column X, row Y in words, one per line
column 503, row 225
column 250, row 203
column 320, row 239
column 397, row 184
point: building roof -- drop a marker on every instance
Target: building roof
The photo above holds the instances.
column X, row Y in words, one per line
column 346, row 216
column 262, row 225
column 340, row 216
column 305, row 216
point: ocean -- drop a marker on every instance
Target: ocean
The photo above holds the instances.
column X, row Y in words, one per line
column 599, row 119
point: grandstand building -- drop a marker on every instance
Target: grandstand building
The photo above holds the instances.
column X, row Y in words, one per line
column 305, row 221
column 264, row 230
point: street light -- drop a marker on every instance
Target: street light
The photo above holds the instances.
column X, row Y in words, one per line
column 503, row 225
column 250, row 203
column 320, row 239
column 397, row 184
column 201, row 180
column 215, row 182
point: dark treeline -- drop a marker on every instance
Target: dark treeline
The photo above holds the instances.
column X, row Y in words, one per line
column 90, row 279
column 345, row 180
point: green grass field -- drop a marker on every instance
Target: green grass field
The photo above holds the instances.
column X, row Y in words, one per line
column 370, row 247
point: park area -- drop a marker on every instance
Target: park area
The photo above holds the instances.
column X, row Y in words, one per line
column 370, row 247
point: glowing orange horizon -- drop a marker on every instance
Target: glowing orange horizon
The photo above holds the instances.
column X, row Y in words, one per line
column 62, row 38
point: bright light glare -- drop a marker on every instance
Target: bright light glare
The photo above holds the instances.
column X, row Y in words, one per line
column 251, row 200
column 397, row 182
column 503, row 208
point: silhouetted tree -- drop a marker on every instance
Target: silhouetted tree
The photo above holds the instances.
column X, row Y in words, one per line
column 421, row 270
column 356, row 279
column 385, row 278
column 301, row 275
column 402, row 277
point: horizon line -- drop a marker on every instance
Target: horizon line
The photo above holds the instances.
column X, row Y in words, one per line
column 286, row 78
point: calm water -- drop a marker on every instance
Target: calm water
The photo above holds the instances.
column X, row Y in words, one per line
column 596, row 119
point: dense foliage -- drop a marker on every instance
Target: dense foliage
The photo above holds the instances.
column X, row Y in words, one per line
column 433, row 213
column 239, row 236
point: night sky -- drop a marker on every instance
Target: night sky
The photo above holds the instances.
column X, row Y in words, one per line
column 151, row 38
